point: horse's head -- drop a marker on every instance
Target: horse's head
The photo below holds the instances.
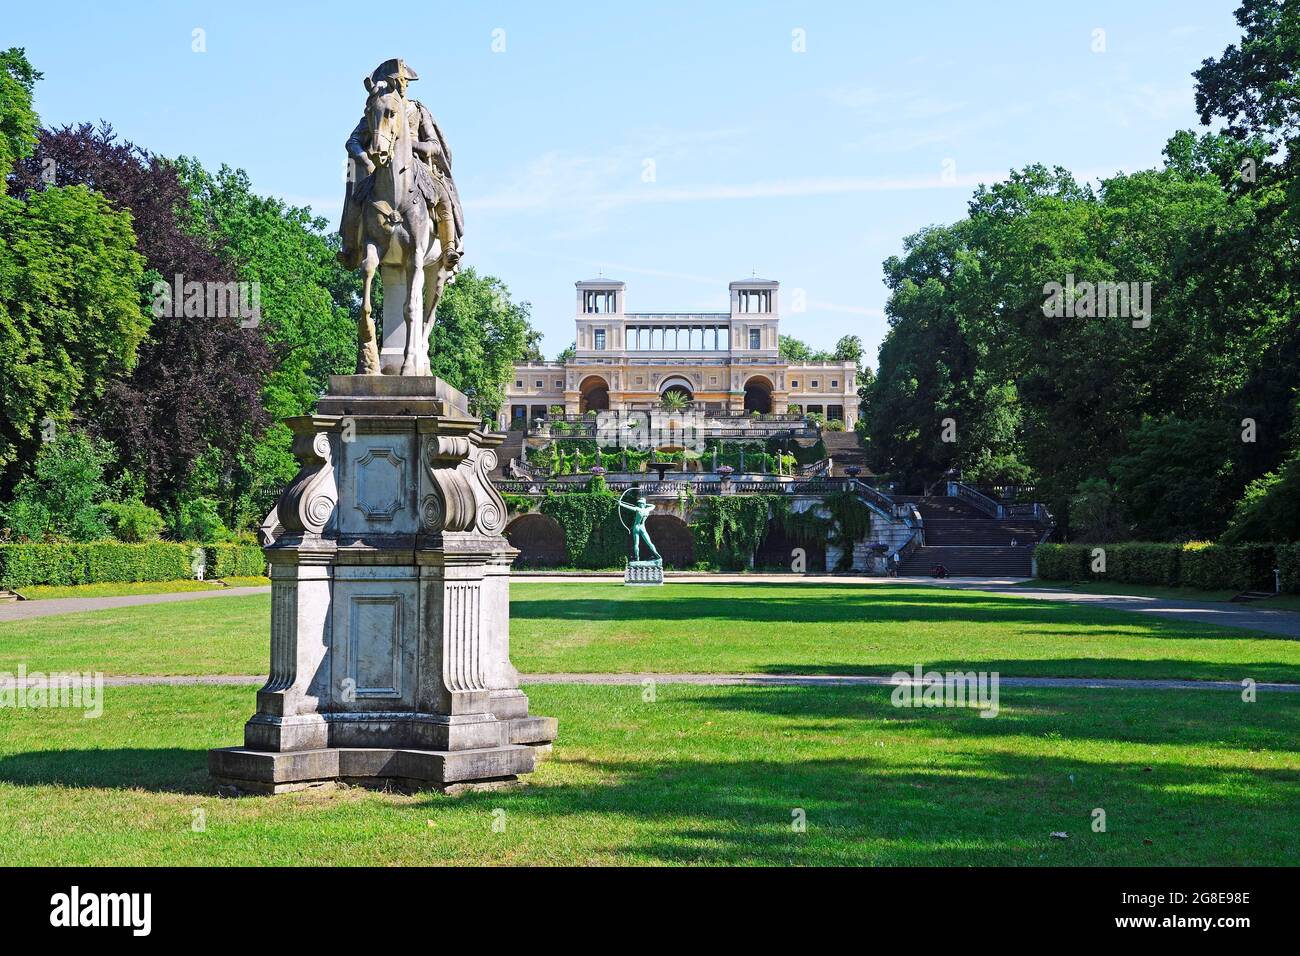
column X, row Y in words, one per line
column 385, row 109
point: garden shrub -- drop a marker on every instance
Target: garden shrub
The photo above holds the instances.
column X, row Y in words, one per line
column 24, row 565
column 63, row 494
column 199, row 520
column 133, row 521
column 1196, row 564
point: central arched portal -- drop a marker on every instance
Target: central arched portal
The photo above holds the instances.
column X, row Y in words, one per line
column 680, row 390
column 673, row 537
column 593, row 395
column 758, row 395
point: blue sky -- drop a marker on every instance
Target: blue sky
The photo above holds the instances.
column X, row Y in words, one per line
column 675, row 145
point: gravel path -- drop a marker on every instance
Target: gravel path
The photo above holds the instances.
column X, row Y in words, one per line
column 1219, row 613
column 23, row 610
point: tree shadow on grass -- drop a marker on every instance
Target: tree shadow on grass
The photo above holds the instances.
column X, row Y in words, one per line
column 993, row 808
column 987, row 809
column 162, row 770
column 864, row 607
column 1157, row 717
column 1079, row 668
column 877, row 784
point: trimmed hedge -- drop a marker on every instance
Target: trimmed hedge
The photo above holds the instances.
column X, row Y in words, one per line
column 1197, row 564
column 234, row 561
column 1145, row 563
column 1240, row 567
column 1063, row 562
column 1288, row 562
column 24, row 565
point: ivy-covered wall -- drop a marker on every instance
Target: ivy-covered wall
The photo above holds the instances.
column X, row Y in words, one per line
column 593, row 535
column 728, row 529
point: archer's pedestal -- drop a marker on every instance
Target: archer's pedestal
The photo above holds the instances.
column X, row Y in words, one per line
column 644, row 573
column 390, row 604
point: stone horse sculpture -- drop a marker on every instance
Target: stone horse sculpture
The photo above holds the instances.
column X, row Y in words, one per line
column 406, row 215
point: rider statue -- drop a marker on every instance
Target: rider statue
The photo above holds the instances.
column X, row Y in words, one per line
column 639, row 533
column 429, row 145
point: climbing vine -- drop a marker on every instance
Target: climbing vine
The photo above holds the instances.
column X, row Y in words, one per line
column 518, row 504
column 848, row 521
column 851, row 516
column 806, row 527
column 593, row 536
column 728, row 529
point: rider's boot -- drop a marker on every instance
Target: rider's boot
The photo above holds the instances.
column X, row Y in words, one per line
column 447, row 235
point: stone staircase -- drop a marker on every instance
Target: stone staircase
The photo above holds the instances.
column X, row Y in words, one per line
column 844, row 449
column 512, row 447
column 968, row 542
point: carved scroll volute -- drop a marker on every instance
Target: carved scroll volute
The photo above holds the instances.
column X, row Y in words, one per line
column 491, row 517
column 308, row 504
column 464, row 499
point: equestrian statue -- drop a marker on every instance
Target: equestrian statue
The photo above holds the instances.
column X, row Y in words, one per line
column 401, row 217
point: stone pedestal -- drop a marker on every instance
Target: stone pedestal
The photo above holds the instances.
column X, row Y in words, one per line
column 390, row 604
column 643, row 573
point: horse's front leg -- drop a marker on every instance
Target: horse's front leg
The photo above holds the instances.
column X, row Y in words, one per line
column 414, row 318
column 368, row 351
column 435, row 280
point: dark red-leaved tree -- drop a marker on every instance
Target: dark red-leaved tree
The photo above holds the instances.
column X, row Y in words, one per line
column 198, row 383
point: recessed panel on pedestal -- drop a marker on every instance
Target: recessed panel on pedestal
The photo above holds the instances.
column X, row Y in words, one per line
column 375, row 632
column 374, row 639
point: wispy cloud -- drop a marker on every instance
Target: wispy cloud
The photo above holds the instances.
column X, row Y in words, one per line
column 548, row 190
column 908, row 120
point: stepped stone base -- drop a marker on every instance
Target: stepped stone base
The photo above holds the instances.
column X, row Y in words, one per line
column 270, row 772
column 527, row 741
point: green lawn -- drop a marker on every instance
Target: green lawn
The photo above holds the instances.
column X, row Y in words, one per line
column 219, row 635
column 700, row 776
column 601, row 626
